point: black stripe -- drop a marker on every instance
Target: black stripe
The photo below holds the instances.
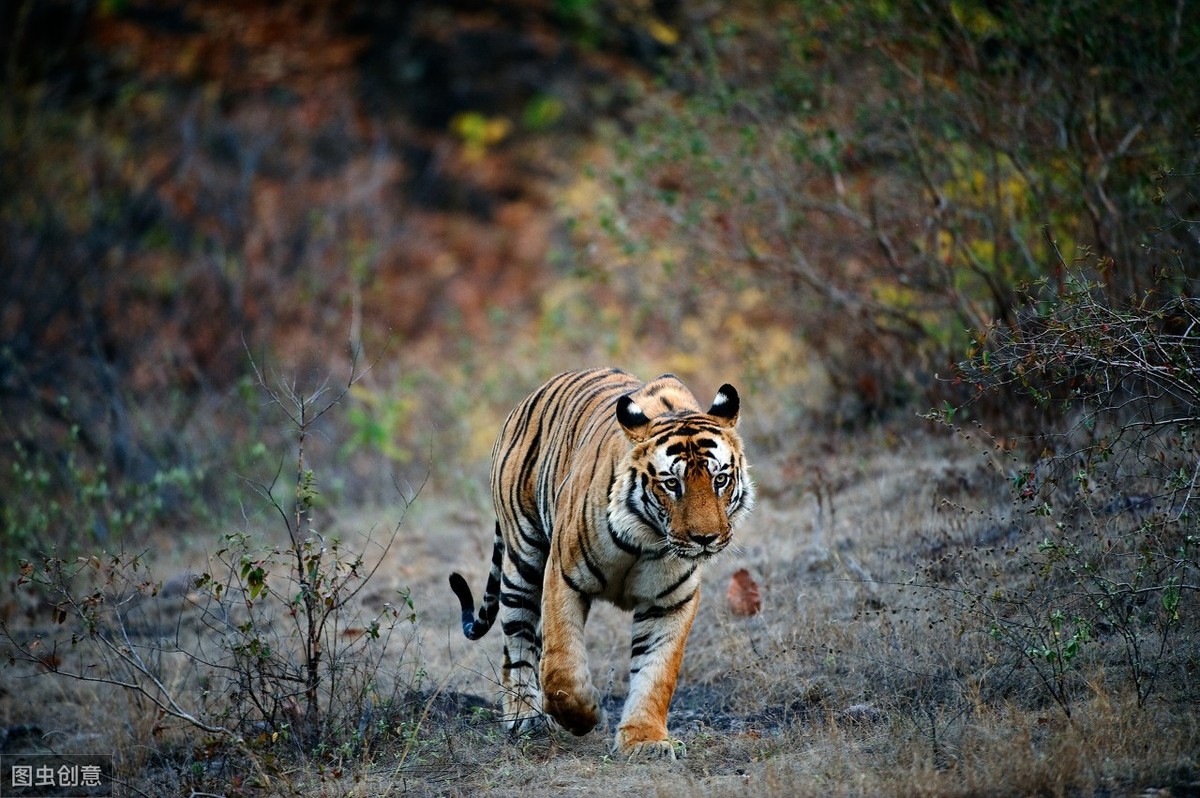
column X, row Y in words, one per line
column 677, row 583
column 513, row 625
column 530, row 572
column 571, row 583
column 655, row 611
column 681, row 431
column 644, row 644
column 531, row 592
column 516, row 601
column 596, row 571
column 525, row 474
column 622, row 544
column 536, row 540
column 521, row 629
column 493, row 587
column 584, row 543
column 635, row 508
column 541, row 406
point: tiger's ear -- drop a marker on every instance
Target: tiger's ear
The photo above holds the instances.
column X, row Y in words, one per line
column 726, row 406
column 631, row 418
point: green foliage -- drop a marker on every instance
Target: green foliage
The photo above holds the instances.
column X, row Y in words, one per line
column 584, row 16
column 542, row 112
column 381, row 421
column 1077, row 348
column 71, row 501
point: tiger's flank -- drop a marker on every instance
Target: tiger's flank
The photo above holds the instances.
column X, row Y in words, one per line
column 609, row 488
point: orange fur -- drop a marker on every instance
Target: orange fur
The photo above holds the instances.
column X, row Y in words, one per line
column 605, row 488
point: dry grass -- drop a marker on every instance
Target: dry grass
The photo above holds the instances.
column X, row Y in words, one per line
column 853, row 680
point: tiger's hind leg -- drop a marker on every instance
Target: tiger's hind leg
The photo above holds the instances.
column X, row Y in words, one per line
column 521, row 623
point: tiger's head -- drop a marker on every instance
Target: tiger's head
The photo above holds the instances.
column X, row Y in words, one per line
column 686, row 476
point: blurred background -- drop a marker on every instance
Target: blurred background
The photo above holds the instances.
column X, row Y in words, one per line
column 441, row 204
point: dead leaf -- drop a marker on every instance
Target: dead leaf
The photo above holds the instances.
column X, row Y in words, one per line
column 743, row 594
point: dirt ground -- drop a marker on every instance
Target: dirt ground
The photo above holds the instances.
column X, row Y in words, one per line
column 850, row 680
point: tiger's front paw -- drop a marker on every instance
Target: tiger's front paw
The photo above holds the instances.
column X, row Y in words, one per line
column 641, row 744
column 577, row 711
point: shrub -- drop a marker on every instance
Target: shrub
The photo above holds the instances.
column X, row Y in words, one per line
column 889, row 174
column 269, row 652
column 1107, row 523
column 69, row 499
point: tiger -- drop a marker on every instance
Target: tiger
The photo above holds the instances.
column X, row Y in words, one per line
column 607, row 488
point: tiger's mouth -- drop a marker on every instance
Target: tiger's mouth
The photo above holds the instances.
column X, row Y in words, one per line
column 691, row 550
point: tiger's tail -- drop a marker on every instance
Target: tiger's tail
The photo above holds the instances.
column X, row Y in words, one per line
column 476, row 626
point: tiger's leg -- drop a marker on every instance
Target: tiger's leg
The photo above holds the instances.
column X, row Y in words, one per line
column 659, row 635
column 520, row 621
column 567, row 691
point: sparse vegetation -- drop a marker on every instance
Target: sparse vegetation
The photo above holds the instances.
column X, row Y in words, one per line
column 265, row 651
column 1111, row 502
column 890, row 176
column 855, row 211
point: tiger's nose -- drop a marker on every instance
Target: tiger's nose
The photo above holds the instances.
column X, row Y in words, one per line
column 703, row 540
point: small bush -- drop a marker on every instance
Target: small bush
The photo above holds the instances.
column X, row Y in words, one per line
column 69, row 499
column 1107, row 513
column 264, row 652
